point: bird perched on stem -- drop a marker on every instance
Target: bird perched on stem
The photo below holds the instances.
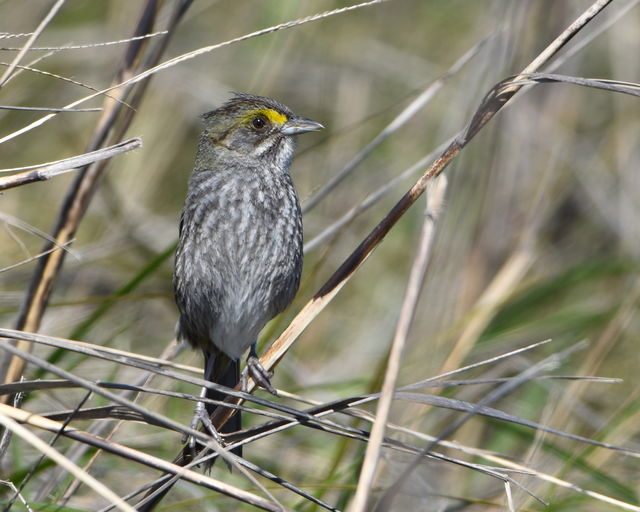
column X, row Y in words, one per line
column 239, row 255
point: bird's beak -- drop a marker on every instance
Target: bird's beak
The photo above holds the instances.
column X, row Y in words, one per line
column 300, row 125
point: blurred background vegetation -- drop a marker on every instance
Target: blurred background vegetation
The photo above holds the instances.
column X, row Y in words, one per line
column 538, row 238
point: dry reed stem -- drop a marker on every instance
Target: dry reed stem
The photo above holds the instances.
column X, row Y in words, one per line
column 93, row 350
column 32, row 258
column 46, row 109
column 29, row 42
column 25, row 434
column 435, row 199
column 136, row 456
column 92, row 45
column 78, row 450
column 48, row 171
column 31, row 69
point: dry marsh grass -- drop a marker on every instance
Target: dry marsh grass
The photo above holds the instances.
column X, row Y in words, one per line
column 502, row 306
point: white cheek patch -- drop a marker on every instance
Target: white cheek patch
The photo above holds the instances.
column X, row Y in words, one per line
column 265, row 146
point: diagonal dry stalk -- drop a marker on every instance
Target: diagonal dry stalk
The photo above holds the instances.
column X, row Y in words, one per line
column 491, row 105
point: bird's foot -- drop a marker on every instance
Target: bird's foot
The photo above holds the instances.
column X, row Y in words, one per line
column 258, row 373
column 201, row 415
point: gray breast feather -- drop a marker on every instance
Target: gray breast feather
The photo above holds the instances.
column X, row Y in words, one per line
column 239, row 257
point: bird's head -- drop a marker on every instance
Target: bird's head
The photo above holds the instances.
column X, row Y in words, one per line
column 255, row 127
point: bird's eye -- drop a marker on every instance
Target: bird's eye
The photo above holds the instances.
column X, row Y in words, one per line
column 259, row 122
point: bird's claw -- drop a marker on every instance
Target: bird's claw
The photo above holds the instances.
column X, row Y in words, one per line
column 259, row 374
column 201, row 416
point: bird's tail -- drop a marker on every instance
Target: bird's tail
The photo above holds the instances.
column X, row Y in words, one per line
column 225, row 371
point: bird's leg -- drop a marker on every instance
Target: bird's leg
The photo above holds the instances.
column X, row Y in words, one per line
column 201, row 415
column 257, row 372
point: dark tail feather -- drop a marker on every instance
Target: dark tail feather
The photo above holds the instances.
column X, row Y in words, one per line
column 226, row 372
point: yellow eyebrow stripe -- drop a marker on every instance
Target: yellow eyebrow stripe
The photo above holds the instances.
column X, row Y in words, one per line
column 272, row 115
